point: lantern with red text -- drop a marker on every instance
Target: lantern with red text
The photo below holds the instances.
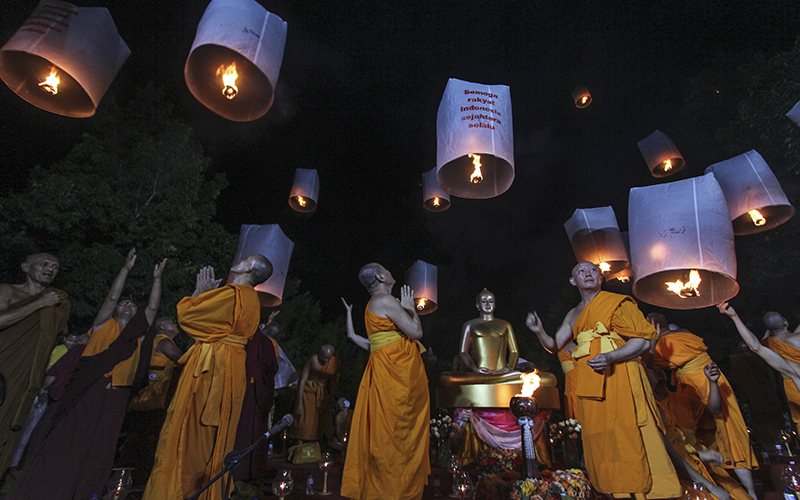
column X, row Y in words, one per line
column 270, row 242
column 581, row 96
column 682, row 244
column 475, row 140
column 305, row 190
column 423, row 279
column 434, row 198
column 595, row 237
column 63, row 58
column 662, row 157
column 754, row 195
column 794, row 113
column 235, row 59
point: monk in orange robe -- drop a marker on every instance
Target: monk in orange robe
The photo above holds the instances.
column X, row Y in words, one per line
column 570, row 381
column 201, row 420
column 387, row 454
column 313, row 410
column 622, row 429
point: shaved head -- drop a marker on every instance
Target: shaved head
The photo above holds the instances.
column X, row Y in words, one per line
column 36, row 257
column 775, row 322
column 659, row 319
column 262, row 268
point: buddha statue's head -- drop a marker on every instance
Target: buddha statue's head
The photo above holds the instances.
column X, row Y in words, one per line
column 485, row 302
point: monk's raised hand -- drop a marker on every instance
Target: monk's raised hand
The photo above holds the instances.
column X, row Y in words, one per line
column 598, row 363
column 712, row 372
column 534, row 324
column 272, row 316
column 130, row 259
column 52, row 298
column 407, row 298
column 159, row 269
column 347, row 306
column 726, row 309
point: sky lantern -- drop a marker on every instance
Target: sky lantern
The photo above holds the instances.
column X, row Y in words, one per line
column 595, row 237
column 682, row 245
column 626, row 274
column 63, row 58
column 754, row 195
column 270, row 242
column 581, row 96
column 423, row 279
column 235, row 59
column 662, row 157
column 434, row 198
column 305, row 190
column 794, row 113
column 475, row 140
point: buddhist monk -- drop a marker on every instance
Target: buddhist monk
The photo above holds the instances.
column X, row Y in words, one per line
column 567, row 366
column 387, row 453
column 622, row 432
column 201, row 420
column 315, row 393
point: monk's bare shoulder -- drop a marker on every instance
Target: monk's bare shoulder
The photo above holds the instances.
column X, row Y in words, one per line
column 383, row 303
column 10, row 294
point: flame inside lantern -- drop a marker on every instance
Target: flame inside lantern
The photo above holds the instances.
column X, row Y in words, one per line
column 50, row 84
column 667, row 165
column 421, row 303
column 301, row 201
column 604, row 267
column 686, row 290
column 436, row 201
column 584, row 99
column 758, row 219
column 624, row 279
column 477, row 175
column 229, row 76
column 530, row 382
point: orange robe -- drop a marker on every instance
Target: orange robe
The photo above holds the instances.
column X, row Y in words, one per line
column 791, row 353
column 387, row 455
column 124, row 372
column 570, row 379
column 201, row 420
column 686, row 353
column 621, row 425
column 317, row 419
column 159, row 375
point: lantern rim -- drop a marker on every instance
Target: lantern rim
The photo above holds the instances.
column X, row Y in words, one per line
column 430, row 306
column 311, row 204
column 444, row 204
column 677, row 165
column 774, row 214
column 498, row 175
column 652, row 289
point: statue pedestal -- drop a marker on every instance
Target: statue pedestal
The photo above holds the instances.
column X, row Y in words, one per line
column 494, row 395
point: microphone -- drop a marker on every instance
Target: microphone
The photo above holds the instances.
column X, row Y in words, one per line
column 285, row 422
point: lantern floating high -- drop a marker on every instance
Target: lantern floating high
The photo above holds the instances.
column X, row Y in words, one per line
column 662, row 157
column 794, row 113
column 581, row 96
column 682, row 245
column 595, row 237
column 236, row 58
column 754, row 195
column 423, row 279
column 434, row 198
column 475, row 140
column 270, row 242
column 63, row 58
column 305, row 190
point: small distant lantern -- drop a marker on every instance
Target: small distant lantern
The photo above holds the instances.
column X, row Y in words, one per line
column 63, row 58
column 581, row 96
column 270, row 242
column 682, row 245
column 305, row 190
column 595, row 237
column 475, row 140
column 662, row 157
column 423, row 279
column 434, row 198
column 794, row 113
column 236, row 58
column 754, row 195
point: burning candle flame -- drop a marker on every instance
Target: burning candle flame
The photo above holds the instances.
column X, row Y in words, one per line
column 50, row 84
column 301, row 201
column 667, row 165
column 229, row 76
column 758, row 219
column 584, row 99
column 686, row 290
column 604, row 267
column 530, row 382
column 436, row 201
column 421, row 304
column 477, row 175
column 624, row 279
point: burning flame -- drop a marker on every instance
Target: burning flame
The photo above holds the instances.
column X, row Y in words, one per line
column 477, row 175
column 604, row 267
column 667, row 165
column 584, row 99
column 50, row 84
column 686, row 290
column 624, row 279
column 421, row 304
column 758, row 219
column 229, row 76
column 530, row 382
column 436, row 201
column 301, row 201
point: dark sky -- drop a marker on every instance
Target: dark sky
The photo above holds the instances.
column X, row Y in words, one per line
column 357, row 99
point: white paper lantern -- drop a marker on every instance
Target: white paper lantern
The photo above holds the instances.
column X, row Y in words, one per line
column 754, row 195
column 242, row 34
column 794, row 113
column 270, row 242
column 626, row 274
column 434, row 198
column 581, row 96
column 681, row 231
column 475, row 140
column 423, row 279
column 305, row 190
column 80, row 46
column 595, row 237
column 662, row 157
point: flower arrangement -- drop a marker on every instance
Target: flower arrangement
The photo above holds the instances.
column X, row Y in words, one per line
column 441, row 426
column 496, row 460
column 567, row 429
column 556, row 485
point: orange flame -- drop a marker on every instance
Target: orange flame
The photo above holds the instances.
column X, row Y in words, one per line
column 229, row 76
column 584, row 99
column 604, row 267
column 530, row 382
column 421, row 303
column 301, row 201
column 50, row 84
column 667, row 165
column 686, row 290
column 477, row 175
column 758, row 219
column 436, row 201
column 624, row 279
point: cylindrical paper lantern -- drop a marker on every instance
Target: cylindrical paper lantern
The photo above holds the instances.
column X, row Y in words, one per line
column 434, row 198
column 475, row 140
column 270, row 242
column 305, row 190
column 595, row 237
column 662, row 157
column 681, row 231
column 236, row 37
column 754, row 195
column 794, row 113
column 423, row 279
column 581, row 96
column 626, row 274
column 63, row 58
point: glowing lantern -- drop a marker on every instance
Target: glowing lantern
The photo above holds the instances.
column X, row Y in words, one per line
column 305, row 190
column 475, row 140
column 434, row 198
column 661, row 155
column 423, row 279
column 581, row 96
column 595, row 237
column 63, row 58
column 626, row 274
column 682, row 245
column 794, row 113
column 270, row 242
column 235, row 59
column 754, row 195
